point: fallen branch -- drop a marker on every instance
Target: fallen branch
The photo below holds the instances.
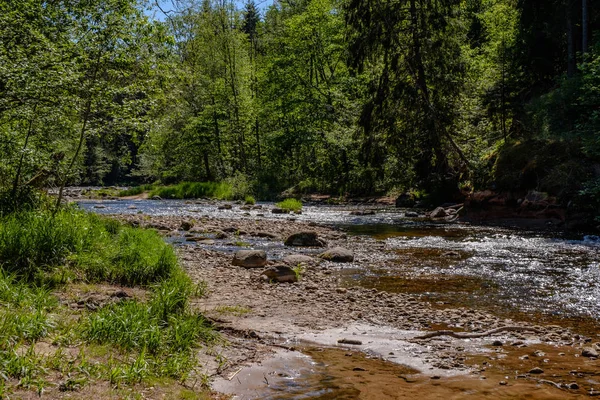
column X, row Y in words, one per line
column 475, row 335
column 557, row 385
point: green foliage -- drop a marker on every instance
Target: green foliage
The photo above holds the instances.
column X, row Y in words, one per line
column 249, row 200
column 290, row 205
column 23, row 198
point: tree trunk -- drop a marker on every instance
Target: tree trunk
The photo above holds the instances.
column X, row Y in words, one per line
column 571, row 61
column 584, row 26
column 22, row 158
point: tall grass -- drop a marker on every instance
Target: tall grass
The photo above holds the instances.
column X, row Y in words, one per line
column 194, row 190
column 163, row 331
column 35, row 244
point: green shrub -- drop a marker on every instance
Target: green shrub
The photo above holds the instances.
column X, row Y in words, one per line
column 290, row 205
column 240, row 186
column 249, row 200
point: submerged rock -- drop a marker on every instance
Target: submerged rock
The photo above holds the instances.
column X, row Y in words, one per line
column 277, row 210
column 337, row 254
column 305, row 239
column 250, row 258
column 362, row 212
column 225, row 207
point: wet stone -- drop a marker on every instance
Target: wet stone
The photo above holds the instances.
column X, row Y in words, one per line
column 589, row 352
column 304, row 239
column 250, row 258
column 337, row 254
column 280, row 273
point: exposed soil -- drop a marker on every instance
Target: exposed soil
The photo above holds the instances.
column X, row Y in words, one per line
column 258, row 316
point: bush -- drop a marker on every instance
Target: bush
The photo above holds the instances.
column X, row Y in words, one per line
column 249, row 200
column 290, row 205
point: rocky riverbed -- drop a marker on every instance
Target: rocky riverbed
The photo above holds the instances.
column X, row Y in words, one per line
column 262, row 319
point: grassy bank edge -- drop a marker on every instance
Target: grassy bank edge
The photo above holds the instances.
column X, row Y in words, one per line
column 128, row 342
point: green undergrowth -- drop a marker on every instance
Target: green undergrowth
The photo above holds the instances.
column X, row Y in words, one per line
column 128, row 341
column 290, row 205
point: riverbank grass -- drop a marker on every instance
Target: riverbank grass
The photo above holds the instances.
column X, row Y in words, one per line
column 290, row 205
column 131, row 326
column 195, row 190
column 136, row 190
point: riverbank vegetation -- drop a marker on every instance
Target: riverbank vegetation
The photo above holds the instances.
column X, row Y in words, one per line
column 87, row 301
column 290, row 205
column 334, row 96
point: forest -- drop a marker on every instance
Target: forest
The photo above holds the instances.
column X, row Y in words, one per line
column 346, row 97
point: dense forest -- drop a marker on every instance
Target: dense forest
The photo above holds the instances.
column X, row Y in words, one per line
column 345, row 97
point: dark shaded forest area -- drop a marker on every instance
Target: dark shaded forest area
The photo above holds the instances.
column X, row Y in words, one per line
column 346, row 97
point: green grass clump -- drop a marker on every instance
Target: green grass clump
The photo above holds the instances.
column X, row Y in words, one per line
column 162, row 331
column 194, row 190
column 290, row 205
column 249, row 200
column 133, row 191
column 37, row 246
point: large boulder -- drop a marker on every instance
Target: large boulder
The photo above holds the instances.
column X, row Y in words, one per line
column 337, row 254
column 280, row 273
column 305, row 239
column 250, row 258
column 405, row 201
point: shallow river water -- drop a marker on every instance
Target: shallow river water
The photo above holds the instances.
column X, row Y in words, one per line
column 507, row 270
